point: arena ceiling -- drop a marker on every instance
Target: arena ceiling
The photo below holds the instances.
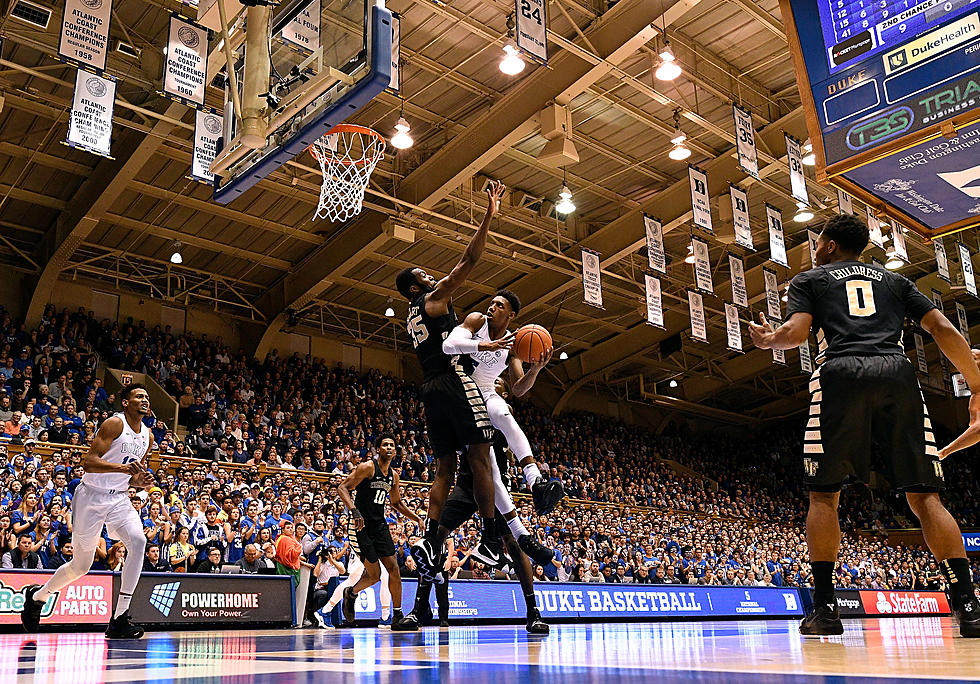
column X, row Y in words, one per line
column 65, row 214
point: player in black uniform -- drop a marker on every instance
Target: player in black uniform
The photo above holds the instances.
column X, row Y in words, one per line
column 458, row 509
column 374, row 482
column 456, row 416
column 865, row 390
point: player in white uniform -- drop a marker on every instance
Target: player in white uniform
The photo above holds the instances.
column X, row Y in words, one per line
column 112, row 464
column 485, row 338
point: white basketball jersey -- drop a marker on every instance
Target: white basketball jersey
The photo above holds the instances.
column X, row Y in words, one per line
column 129, row 446
column 488, row 364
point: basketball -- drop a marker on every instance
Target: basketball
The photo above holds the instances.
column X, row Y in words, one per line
column 530, row 342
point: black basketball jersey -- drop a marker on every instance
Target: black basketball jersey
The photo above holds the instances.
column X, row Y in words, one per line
column 857, row 309
column 464, row 477
column 371, row 495
column 428, row 333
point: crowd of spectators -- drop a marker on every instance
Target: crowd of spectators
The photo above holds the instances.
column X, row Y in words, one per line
column 274, row 437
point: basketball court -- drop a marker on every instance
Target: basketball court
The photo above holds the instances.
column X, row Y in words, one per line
column 871, row 651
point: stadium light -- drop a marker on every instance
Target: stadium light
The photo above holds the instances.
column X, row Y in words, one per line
column 668, row 69
column 563, row 356
column 511, row 64
column 176, row 258
column 803, row 213
column 401, row 140
column 679, row 151
column 672, row 384
column 565, row 205
column 809, row 158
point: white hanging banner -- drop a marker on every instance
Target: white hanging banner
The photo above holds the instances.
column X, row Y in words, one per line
column 942, row 262
column 700, row 202
column 591, row 278
column 699, row 328
column 811, row 240
column 532, row 29
column 937, row 299
column 779, row 357
column 797, row 180
column 966, row 263
column 874, row 231
column 898, row 241
column 395, row 84
column 920, row 353
column 90, row 124
column 185, row 73
column 777, row 244
column 964, row 325
column 303, row 32
column 702, row 266
column 85, row 33
column 740, row 294
column 655, row 304
column 844, row 203
column 748, row 157
column 773, row 304
column 806, row 360
column 734, row 327
column 207, row 132
column 740, row 217
column 656, row 256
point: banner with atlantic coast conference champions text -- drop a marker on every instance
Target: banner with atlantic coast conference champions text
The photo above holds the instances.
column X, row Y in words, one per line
column 207, row 132
column 772, row 295
column 740, row 293
column 777, row 243
column 85, row 33
column 591, row 278
column 90, row 121
column 656, row 255
column 702, row 266
column 700, row 201
column 699, row 326
column 734, row 327
column 740, row 217
column 942, row 261
column 748, row 157
column 655, row 304
column 185, row 72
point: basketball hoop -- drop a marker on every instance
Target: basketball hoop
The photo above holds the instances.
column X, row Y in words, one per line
column 347, row 156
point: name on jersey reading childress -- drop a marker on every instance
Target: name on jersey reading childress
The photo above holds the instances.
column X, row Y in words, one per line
column 863, row 271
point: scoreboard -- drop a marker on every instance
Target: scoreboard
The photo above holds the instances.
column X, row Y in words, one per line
column 891, row 92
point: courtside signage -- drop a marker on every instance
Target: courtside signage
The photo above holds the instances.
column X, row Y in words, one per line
column 87, row 601
column 971, row 540
column 865, row 603
column 165, row 599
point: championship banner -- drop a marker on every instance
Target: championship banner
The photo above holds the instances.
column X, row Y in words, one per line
column 811, row 239
column 395, row 84
column 942, row 262
column 699, row 327
column 844, row 202
column 656, row 255
column 898, row 241
column 702, row 266
column 920, row 353
column 874, row 231
column 655, row 304
column 303, row 32
column 806, row 360
column 748, row 157
column 207, row 132
column 937, row 299
column 740, row 217
column 740, row 293
column 90, row 122
column 531, row 29
column 185, row 71
column 777, row 244
column 966, row 263
column 964, row 325
column 591, row 278
column 772, row 294
column 779, row 357
column 700, row 202
column 85, row 33
column 734, row 328
column 797, row 180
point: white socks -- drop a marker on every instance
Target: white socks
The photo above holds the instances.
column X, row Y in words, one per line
column 531, row 473
column 123, row 604
column 517, row 527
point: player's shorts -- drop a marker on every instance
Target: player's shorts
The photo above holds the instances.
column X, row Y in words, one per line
column 860, row 400
column 461, row 507
column 372, row 542
column 455, row 415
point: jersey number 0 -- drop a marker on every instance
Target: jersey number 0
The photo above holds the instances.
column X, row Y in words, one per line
column 860, row 298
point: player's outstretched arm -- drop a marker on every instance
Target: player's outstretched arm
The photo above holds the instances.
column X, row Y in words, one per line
column 789, row 335
column 952, row 343
column 396, row 501
column 94, row 461
column 460, row 340
column 522, row 381
column 445, row 288
column 362, row 472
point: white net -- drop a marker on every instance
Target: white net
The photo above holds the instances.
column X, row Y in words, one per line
column 347, row 156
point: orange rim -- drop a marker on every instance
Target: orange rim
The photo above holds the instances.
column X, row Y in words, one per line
column 353, row 128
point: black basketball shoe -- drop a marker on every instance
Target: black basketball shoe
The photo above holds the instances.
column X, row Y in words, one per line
column 122, row 627
column 403, row 623
column 347, row 606
column 30, row 617
column 823, row 621
column 535, row 625
column 968, row 615
column 547, row 494
column 535, row 550
column 427, row 559
column 490, row 553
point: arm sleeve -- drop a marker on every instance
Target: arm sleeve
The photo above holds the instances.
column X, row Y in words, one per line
column 801, row 298
column 460, row 341
column 917, row 304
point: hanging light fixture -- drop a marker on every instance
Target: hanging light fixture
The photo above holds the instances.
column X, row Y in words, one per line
column 893, row 263
column 512, row 63
column 564, row 205
column 672, row 384
column 689, row 259
column 668, row 68
column 176, row 258
column 563, row 356
column 679, row 151
column 389, row 312
column 401, row 140
column 809, row 158
column 803, row 213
